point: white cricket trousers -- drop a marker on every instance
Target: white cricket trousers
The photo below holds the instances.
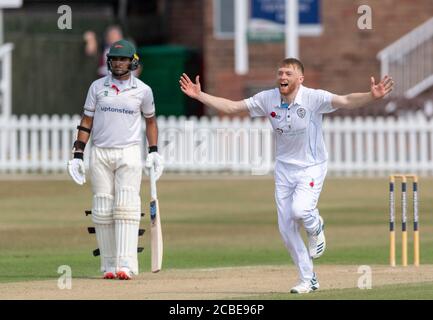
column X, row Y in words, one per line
column 297, row 192
column 116, row 179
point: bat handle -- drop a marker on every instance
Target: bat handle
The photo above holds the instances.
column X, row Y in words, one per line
column 153, row 193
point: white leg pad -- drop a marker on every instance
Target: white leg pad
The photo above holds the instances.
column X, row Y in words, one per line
column 102, row 217
column 127, row 221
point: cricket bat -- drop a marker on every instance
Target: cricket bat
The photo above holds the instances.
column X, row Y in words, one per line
column 156, row 247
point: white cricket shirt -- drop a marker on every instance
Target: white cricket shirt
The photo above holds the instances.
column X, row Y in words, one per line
column 298, row 127
column 116, row 108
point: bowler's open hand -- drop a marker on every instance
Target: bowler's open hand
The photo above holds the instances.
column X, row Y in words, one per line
column 382, row 88
column 188, row 87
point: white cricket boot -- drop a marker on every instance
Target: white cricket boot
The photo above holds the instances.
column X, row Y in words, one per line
column 306, row 286
column 317, row 242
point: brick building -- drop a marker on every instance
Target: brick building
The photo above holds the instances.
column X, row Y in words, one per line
column 341, row 59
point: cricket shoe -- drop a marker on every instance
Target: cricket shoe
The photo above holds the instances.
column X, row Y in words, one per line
column 317, row 241
column 306, row 286
column 124, row 274
column 109, row 275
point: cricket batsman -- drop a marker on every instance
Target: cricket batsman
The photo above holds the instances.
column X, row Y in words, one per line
column 112, row 113
column 295, row 113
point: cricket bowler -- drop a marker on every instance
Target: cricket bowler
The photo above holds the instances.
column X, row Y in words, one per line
column 295, row 113
column 112, row 113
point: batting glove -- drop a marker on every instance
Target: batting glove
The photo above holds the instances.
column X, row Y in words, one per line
column 77, row 171
column 154, row 159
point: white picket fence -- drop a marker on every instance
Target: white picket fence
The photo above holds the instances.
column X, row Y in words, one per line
column 360, row 146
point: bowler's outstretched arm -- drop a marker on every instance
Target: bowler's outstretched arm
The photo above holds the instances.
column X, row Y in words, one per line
column 356, row 100
column 193, row 90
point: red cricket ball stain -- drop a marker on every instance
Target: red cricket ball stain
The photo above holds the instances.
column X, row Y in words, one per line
column 273, row 114
column 115, row 88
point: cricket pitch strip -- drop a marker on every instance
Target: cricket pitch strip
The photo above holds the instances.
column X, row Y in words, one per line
column 212, row 284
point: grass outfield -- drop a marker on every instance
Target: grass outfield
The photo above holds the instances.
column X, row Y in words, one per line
column 207, row 223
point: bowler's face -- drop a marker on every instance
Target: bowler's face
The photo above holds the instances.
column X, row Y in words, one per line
column 289, row 78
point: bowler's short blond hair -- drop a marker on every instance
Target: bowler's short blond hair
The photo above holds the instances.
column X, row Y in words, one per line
column 292, row 62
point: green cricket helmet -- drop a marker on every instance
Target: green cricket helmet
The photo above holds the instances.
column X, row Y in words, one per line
column 123, row 48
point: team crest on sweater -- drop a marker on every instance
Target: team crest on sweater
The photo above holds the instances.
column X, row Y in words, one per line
column 301, row 113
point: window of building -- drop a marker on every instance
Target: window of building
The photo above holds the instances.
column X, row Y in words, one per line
column 310, row 17
column 224, row 19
